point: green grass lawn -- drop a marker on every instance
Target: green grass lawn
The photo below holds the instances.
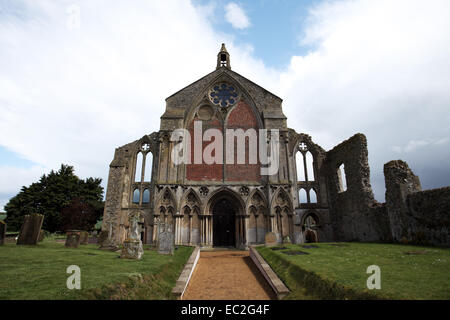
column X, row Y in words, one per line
column 339, row 272
column 39, row 272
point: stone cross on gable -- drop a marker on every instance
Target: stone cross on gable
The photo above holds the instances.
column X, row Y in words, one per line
column 303, row 147
column 145, row 147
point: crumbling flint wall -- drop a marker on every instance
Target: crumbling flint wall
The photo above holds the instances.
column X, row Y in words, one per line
column 415, row 216
column 409, row 214
column 355, row 214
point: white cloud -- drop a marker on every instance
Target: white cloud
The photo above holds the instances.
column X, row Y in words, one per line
column 71, row 95
column 377, row 67
column 12, row 179
column 235, row 15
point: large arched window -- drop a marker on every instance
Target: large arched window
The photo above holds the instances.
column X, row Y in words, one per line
column 304, row 161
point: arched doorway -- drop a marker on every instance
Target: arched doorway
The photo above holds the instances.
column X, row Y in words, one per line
column 224, row 223
column 310, row 236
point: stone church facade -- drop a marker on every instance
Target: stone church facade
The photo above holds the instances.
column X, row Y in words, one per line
column 315, row 195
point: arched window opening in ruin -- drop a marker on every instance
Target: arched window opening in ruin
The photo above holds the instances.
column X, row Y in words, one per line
column 146, row 196
column 148, row 167
column 309, row 166
column 302, row 197
column 342, row 178
column 138, row 173
column 312, row 196
column 136, row 196
column 300, row 164
column 310, row 229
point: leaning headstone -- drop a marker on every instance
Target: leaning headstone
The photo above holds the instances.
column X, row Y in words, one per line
column 73, row 239
column 108, row 242
column 166, row 239
column 132, row 246
column 41, row 235
column 2, row 232
column 30, row 230
column 84, row 237
column 271, row 239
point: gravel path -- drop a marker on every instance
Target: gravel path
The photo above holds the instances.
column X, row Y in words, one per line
column 227, row 275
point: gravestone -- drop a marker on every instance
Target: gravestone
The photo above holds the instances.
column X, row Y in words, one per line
column 108, row 243
column 2, row 232
column 41, row 235
column 270, row 239
column 102, row 236
column 132, row 246
column 73, row 239
column 30, row 230
column 84, row 237
column 166, row 239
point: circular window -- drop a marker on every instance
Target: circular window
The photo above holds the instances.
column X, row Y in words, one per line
column 223, row 95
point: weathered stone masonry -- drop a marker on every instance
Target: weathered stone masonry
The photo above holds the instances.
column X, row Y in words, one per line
column 315, row 195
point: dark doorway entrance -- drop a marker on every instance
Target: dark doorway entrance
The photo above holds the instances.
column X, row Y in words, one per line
column 224, row 224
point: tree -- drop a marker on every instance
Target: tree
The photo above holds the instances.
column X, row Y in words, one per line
column 50, row 195
column 80, row 215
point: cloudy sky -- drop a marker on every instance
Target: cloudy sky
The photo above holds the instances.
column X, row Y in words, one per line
column 79, row 78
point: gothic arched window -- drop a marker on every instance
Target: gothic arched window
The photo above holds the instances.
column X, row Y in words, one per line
column 146, row 196
column 148, row 167
column 138, row 173
column 309, row 166
column 300, row 166
column 312, row 196
column 302, row 197
column 136, row 196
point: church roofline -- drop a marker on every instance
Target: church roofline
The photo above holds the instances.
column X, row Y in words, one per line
column 223, row 70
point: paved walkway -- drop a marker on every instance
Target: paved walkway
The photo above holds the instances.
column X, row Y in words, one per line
column 225, row 275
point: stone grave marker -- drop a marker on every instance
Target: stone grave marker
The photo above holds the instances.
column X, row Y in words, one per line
column 73, row 239
column 166, row 239
column 102, row 236
column 271, row 239
column 30, row 230
column 84, row 237
column 41, row 235
column 2, row 232
column 132, row 246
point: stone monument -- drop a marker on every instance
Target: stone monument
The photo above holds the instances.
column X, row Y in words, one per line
column 41, row 235
column 84, row 237
column 271, row 239
column 73, row 238
column 166, row 239
column 132, row 246
column 2, row 232
column 107, row 242
column 30, row 230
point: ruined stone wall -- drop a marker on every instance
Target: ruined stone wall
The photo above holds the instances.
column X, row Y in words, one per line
column 419, row 217
column 354, row 213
